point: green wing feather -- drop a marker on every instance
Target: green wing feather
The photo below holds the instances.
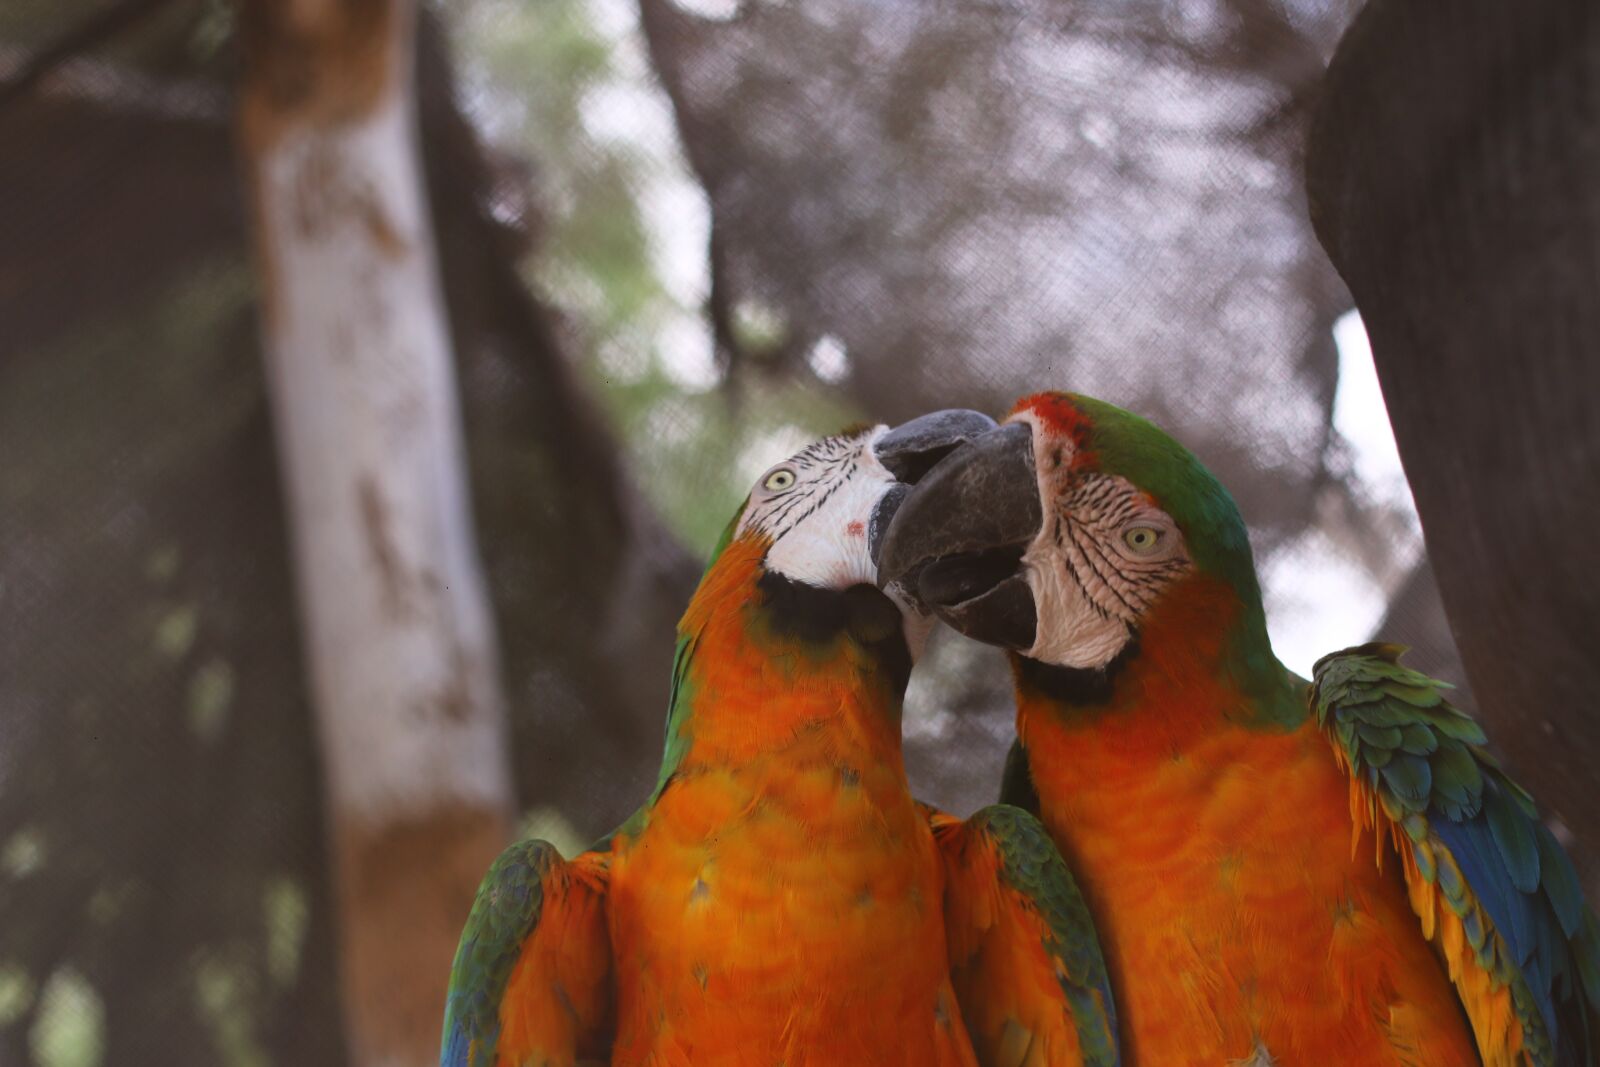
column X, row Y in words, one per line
column 1030, row 866
column 511, row 897
column 1474, row 835
column 1033, row 866
column 520, row 890
column 678, row 701
column 679, row 697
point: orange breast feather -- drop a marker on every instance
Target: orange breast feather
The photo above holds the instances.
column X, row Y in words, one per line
column 1217, row 859
column 783, row 902
column 557, row 997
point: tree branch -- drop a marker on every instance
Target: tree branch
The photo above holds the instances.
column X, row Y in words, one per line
column 92, row 32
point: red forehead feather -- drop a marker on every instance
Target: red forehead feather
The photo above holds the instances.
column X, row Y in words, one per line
column 1058, row 413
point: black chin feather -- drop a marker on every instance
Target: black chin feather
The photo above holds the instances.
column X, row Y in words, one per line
column 1081, row 687
column 816, row 616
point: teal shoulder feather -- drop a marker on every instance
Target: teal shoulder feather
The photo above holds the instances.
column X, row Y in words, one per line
column 678, row 726
column 1473, row 835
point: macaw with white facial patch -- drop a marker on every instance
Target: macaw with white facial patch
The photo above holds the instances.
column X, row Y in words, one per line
column 1210, row 801
column 781, row 898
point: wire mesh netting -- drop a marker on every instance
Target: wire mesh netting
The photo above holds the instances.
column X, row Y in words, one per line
column 677, row 240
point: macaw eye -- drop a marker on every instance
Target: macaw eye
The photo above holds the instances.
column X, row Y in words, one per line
column 779, row 480
column 1142, row 540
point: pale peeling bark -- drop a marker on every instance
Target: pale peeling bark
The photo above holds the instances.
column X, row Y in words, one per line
column 399, row 634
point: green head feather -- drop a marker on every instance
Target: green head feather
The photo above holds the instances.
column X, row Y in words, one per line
column 1120, row 443
column 1135, row 448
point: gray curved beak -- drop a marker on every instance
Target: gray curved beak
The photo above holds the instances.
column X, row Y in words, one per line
column 956, row 541
column 910, row 450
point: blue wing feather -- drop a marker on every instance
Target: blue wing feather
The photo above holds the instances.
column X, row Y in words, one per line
column 1540, row 938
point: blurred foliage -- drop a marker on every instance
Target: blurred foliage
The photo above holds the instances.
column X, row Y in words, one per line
column 189, row 39
column 565, row 84
column 150, row 687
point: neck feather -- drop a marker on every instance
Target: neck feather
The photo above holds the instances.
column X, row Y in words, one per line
column 763, row 660
column 1200, row 660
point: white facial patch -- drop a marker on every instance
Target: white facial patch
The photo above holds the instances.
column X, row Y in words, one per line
column 817, row 507
column 1071, row 633
column 1102, row 556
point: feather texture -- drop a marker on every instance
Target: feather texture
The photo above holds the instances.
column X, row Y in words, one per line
column 1490, row 884
column 779, row 901
column 1022, row 943
column 781, row 898
column 1214, row 853
column 530, row 983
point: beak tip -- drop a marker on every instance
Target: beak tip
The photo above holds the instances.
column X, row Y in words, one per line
column 1005, row 615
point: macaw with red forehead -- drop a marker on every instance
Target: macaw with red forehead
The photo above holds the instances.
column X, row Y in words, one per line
column 781, row 898
column 1213, row 804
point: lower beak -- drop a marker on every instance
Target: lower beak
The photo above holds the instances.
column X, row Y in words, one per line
column 956, row 541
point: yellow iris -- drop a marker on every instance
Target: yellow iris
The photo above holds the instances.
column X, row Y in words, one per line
column 1141, row 538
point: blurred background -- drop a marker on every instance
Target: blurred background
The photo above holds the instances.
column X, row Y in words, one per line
column 674, row 239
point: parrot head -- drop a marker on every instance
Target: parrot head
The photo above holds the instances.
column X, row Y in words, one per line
column 789, row 615
column 1066, row 531
column 816, row 521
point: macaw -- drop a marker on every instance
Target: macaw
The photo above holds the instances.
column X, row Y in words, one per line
column 781, row 898
column 1212, row 804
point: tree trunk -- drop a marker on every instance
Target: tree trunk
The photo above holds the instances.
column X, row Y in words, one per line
column 399, row 633
column 1453, row 177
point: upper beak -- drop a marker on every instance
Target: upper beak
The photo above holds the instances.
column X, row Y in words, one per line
column 909, row 450
column 956, row 542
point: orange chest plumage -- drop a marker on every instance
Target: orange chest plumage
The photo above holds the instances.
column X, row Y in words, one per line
column 781, row 919
column 1237, row 924
column 783, row 902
